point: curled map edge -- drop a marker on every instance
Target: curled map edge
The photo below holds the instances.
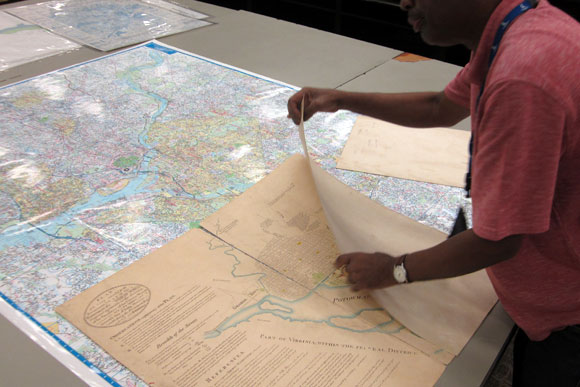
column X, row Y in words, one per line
column 444, row 312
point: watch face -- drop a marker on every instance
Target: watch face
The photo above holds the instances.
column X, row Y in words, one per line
column 400, row 274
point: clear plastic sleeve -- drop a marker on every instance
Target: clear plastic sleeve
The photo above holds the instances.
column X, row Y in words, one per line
column 110, row 24
column 22, row 42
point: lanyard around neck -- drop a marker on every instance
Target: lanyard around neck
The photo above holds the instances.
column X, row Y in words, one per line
column 507, row 21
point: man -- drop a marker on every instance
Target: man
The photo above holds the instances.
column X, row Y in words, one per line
column 522, row 90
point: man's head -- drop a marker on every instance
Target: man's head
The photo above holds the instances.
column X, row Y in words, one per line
column 449, row 22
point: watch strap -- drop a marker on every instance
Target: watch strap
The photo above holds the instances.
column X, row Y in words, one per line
column 401, row 262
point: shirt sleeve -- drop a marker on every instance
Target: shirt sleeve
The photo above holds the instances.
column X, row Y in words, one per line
column 517, row 149
column 459, row 89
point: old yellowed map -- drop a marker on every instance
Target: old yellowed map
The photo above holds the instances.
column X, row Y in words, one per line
column 199, row 312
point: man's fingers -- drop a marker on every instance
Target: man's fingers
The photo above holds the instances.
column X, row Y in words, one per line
column 354, row 277
column 294, row 110
column 359, row 285
column 294, row 104
column 308, row 113
column 342, row 260
column 312, row 104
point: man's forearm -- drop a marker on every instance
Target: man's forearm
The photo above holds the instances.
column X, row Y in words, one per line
column 462, row 254
column 419, row 110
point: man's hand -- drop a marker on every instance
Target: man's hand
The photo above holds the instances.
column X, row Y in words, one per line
column 315, row 100
column 368, row 271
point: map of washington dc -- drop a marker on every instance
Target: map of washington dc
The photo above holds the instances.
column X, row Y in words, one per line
column 103, row 162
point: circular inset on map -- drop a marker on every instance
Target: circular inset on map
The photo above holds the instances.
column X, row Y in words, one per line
column 117, row 305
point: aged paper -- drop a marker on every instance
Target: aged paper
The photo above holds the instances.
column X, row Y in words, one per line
column 435, row 155
column 444, row 312
column 281, row 222
column 199, row 312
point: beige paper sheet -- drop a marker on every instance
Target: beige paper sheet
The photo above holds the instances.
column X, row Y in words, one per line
column 198, row 312
column 281, row 222
column 444, row 312
column 435, row 155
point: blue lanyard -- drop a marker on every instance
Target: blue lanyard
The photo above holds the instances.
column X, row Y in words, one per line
column 507, row 21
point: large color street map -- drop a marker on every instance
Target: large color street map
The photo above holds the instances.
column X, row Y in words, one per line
column 103, row 162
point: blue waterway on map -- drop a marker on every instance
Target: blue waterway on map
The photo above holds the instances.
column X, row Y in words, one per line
column 29, row 232
column 26, row 234
column 284, row 308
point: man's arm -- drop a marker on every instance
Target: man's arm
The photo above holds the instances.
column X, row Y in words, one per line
column 419, row 110
column 462, row 254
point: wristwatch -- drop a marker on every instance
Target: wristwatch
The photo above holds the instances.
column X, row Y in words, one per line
column 399, row 271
